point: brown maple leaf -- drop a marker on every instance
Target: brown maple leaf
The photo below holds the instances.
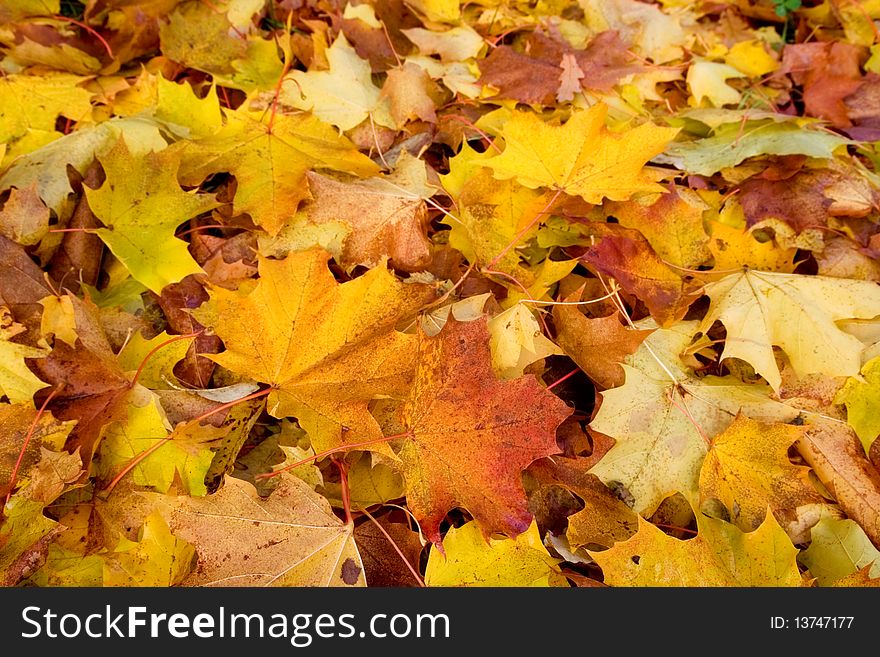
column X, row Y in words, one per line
column 550, row 69
column 598, row 346
column 626, row 256
column 176, row 301
column 90, row 386
column 829, row 72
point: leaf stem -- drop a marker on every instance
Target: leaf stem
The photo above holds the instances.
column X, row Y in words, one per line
column 344, row 489
column 27, row 440
column 140, row 457
column 90, row 30
column 676, row 528
column 525, row 230
column 284, row 70
column 254, row 395
column 522, row 287
column 157, row 348
column 567, row 376
column 134, row 462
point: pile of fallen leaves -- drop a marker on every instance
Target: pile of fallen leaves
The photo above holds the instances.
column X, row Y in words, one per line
column 399, row 292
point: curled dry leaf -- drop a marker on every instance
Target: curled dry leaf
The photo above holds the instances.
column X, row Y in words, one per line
column 833, row 450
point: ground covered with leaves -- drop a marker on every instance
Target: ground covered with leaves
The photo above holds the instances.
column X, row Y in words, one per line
column 420, row 292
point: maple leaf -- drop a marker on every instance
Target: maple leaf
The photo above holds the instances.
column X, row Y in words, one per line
column 91, row 387
column 516, row 342
column 326, row 349
column 456, row 44
column 470, row 434
column 794, row 312
column 708, row 80
column 141, row 205
column 202, row 37
column 735, row 247
column 24, row 218
column 552, row 70
column 598, row 346
column 734, row 141
column 22, row 286
column 157, row 357
column 52, row 474
column 409, row 90
column 157, row 558
column 663, row 418
column 763, row 199
column 748, row 470
column 46, row 167
column 469, row 560
column 672, row 223
column 626, row 256
column 17, row 382
column 179, row 107
column 527, row 79
column 182, row 456
column 344, row 95
column 59, row 319
column 387, row 215
column 27, row 126
column 720, row 555
column 829, row 72
column 438, row 11
column 136, row 28
column 375, row 32
column 266, row 135
column 17, row 9
column 290, row 539
column 270, row 162
column 832, row 449
column 753, row 57
column 604, row 519
column 371, row 479
column 239, row 421
column 25, row 534
column 581, row 157
column 656, row 35
column 176, row 301
column 492, row 213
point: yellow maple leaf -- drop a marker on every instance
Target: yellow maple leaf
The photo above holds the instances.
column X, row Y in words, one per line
column 672, row 223
column 326, row 349
column 158, row 558
column 720, row 555
column 344, row 96
column 581, row 157
column 663, row 416
column 30, row 105
column 796, row 313
column 270, row 162
column 141, row 205
column 17, row 382
column 747, row 469
column 470, row 560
